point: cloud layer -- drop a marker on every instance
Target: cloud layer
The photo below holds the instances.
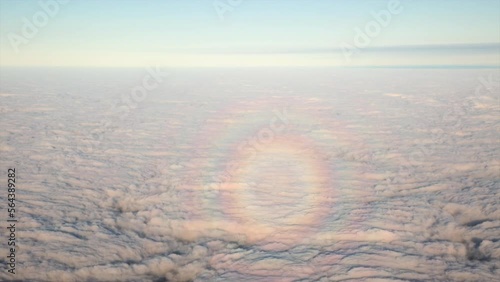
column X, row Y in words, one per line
column 376, row 175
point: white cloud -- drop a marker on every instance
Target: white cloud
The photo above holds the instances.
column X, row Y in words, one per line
column 336, row 197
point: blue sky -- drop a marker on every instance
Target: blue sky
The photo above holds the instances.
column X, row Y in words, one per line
column 250, row 33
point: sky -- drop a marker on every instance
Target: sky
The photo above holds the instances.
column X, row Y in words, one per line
column 228, row 33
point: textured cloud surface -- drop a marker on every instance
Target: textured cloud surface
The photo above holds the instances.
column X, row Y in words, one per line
column 254, row 175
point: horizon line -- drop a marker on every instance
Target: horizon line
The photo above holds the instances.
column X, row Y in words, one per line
column 277, row 66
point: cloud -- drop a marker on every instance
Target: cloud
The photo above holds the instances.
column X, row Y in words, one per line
column 338, row 195
column 441, row 48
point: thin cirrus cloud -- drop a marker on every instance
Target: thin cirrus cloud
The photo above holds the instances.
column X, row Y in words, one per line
column 461, row 48
column 437, row 55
